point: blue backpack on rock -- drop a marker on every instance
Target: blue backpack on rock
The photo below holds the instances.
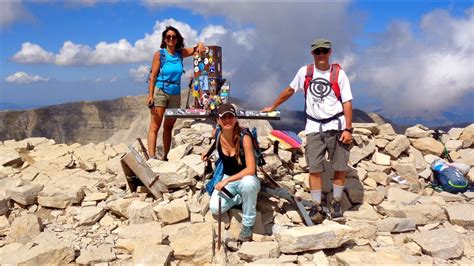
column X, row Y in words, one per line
column 449, row 178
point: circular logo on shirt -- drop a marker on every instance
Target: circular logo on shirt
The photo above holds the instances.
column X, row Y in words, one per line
column 320, row 88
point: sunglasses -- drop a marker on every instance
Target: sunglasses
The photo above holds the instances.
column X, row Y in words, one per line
column 171, row 37
column 321, row 51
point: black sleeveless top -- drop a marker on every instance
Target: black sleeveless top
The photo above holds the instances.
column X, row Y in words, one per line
column 231, row 166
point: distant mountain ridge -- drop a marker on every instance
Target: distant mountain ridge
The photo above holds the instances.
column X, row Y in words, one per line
column 122, row 120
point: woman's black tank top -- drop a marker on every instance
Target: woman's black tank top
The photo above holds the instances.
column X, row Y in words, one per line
column 231, row 166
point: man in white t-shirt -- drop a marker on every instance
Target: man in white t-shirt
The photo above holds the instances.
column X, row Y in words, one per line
column 328, row 107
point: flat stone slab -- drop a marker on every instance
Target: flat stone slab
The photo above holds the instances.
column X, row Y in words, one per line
column 461, row 214
column 440, row 243
column 305, row 238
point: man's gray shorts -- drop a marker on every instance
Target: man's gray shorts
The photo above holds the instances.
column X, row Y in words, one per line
column 316, row 146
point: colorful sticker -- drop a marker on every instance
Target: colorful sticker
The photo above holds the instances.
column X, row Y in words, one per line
column 207, row 50
column 210, row 53
column 204, row 82
column 206, row 61
column 196, row 62
column 210, row 60
column 212, row 69
column 196, row 69
column 201, row 66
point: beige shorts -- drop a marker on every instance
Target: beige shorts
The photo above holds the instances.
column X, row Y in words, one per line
column 318, row 144
column 163, row 99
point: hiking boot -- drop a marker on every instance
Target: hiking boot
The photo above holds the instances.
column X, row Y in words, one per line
column 316, row 214
column 336, row 210
column 246, row 233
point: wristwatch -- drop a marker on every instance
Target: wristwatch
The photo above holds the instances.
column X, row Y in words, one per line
column 349, row 129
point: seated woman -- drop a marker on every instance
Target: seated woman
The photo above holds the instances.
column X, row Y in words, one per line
column 239, row 171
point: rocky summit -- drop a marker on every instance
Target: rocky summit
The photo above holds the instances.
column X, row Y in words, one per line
column 71, row 203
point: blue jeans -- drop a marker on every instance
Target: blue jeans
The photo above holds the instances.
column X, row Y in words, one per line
column 245, row 192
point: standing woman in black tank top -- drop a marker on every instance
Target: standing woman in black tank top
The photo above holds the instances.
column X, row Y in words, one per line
column 239, row 171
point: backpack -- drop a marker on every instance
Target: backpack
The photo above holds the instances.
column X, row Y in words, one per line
column 162, row 63
column 449, row 178
column 333, row 79
column 219, row 165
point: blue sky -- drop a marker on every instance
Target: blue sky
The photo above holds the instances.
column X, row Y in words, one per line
column 406, row 59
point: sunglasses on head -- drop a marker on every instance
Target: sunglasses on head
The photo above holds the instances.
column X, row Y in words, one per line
column 321, row 51
column 171, row 37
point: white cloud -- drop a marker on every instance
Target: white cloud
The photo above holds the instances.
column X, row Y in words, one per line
column 140, row 73
column 428, row 72
column 24, row 78
column 121, row 51
column 33, row 53
column 12, row 11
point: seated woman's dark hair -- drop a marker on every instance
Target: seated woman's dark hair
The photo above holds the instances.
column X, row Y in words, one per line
column 179, row 40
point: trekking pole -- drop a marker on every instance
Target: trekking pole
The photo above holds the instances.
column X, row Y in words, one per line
column 145, row 152
column 219, row 219
column 437, row 135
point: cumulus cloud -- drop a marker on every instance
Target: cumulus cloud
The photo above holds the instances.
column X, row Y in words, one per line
column 429, row 71
column 140, row 73
column 11, row 12
column 122, row 51
column 32, row 53
column 24, row 78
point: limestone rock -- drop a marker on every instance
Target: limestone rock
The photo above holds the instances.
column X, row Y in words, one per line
column 251, row 251
column 172, row 212
column 60, row 198
column 25, row 228
column 355, row 190
column 396, row 225
column 422, row 214
column 175, row 174
column 119, row 207
column 440, row 243
column 360, row 151
column 140, row 212
column 146, row 253
column 4, row 205
column 9, row 157
column 179, row 152
column 386, row 129
column 379, row 177
column 468, row 133
column 454, row 133
column 90, row 215
column 46, row 249
column 372, row 127
column 297, row 239
column 150, row 232
column 103, row 253
column 467, row 156
column 193, row 243
column 25, row 194
column 428, row 146
column 407, row 170
column 349, row 257
column 417, row 132
column 461, row 214
column 365, row 212
column 397, row 146
column 381, row 159
column 402, row 196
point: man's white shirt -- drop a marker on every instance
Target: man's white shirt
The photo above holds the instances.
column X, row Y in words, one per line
column 321, row 101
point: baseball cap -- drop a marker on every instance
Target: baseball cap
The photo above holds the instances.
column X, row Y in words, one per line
column 225, row 108
column 320, row 43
